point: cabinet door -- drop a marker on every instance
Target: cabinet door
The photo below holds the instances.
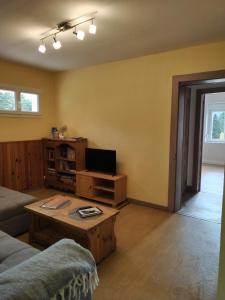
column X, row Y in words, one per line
column 84, row 186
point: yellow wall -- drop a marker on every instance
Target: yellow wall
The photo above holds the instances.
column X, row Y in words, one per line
column 126, row 106
column 27, row 128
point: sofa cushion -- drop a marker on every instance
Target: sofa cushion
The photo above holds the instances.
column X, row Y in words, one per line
column 12, row 203
column 13, row 251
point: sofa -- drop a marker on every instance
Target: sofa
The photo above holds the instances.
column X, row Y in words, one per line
column 64, row 271
column 14, row 220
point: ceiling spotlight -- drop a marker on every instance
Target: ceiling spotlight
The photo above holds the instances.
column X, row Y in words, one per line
column 65, row 26
column 42, row 48
column 92, row 28
column 56, row 44
column 79, row 34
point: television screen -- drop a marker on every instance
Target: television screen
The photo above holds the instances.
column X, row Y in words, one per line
column 101, row 160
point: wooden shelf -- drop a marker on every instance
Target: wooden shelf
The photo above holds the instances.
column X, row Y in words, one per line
column 65, row 159
column 101, row 175
column 57, row 155
column 71, row 172
column 102, row 188
column 103, row 199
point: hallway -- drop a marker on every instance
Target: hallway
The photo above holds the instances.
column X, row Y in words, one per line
column 207, row 204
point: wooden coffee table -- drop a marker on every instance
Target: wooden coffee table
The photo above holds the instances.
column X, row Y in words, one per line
column 95, row 233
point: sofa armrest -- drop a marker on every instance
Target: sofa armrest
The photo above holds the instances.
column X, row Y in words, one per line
column 63, row 271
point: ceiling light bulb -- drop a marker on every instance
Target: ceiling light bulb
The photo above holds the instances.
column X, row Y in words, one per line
column 56, row 44
column 42, row 48
column 92, row 29
column 80, row 35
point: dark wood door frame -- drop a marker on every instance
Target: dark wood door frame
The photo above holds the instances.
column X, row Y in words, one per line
column 174, row 200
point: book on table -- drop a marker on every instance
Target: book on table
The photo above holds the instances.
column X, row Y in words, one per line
column 55, row 203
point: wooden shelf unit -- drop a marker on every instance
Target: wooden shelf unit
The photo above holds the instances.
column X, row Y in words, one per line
column 62, row 159
column 101, row 187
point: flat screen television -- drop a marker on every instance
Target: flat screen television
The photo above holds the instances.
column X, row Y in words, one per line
column 101, row 160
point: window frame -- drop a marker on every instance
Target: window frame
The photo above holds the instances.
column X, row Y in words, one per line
column 211, row 109
column 17, row 111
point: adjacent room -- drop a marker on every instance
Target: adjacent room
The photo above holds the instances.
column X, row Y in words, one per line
column 205, row 201
column 112, row 117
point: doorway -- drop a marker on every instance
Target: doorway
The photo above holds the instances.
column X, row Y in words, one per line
column 202, row 197
column 186, row 127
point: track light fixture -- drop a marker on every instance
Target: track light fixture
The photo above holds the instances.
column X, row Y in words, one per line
column 42, row 47
column 92, row 27
column 64, row 26
column 56, row 44
column 80, row 34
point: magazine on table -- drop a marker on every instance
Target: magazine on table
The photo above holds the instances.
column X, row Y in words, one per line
column 88, row 211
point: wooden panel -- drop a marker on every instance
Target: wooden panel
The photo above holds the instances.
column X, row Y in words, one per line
column 80, row 154
column 84, row 186
column 21, row 165
column 34, row 164
column 1, row 164
column 107, row 238
column 9, row 165
column 120, row 190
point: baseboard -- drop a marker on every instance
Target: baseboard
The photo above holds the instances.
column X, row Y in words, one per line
column 213, row 162
column 147, row 204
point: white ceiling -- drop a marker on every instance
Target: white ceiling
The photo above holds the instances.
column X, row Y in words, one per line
column 125, row 28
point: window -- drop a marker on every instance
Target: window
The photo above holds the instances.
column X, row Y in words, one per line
column 18, row 101
column 215, row 124
column 7, row 100
column 218, row 125
column 29, row 102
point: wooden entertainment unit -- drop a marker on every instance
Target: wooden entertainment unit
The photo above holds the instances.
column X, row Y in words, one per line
column 64, row 169
column 101, row 187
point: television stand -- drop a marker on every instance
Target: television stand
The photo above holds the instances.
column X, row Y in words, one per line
column 109, row 189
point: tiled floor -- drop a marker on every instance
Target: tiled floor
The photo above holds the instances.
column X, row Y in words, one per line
column 207, row 204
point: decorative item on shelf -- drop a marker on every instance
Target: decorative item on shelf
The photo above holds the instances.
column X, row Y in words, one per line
column 62, row 131
column 65, row 26
column 55, row 133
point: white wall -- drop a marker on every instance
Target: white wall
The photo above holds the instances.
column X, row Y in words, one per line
column 213, row 153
